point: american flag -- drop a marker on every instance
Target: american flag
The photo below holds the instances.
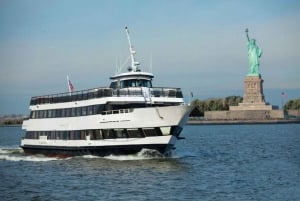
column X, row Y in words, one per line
column 283, row 95
column 71, row 87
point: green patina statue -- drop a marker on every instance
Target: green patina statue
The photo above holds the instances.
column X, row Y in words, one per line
column 254, row 53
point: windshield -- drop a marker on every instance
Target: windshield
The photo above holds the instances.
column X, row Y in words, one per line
column 135, row 83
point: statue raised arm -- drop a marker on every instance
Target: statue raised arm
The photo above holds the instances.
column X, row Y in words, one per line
column 254, row 54
column 247, row 34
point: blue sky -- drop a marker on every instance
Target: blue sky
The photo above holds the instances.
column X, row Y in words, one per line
column 199, row 46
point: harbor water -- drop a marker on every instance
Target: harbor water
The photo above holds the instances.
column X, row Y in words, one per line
column 216, row 162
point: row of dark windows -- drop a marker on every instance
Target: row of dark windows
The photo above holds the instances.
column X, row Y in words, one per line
column 95, row 134
column 67, row 112
column 104, row 92
column 103, row 109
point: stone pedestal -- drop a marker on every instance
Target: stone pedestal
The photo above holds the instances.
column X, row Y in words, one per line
column 254, row 98
column 254, row 90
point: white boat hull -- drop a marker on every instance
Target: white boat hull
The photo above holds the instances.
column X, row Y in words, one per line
column 151, row 117
column 138, row 118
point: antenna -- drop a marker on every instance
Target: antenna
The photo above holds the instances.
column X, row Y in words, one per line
column 151, row 63
column 117, row 65
column 134, row 64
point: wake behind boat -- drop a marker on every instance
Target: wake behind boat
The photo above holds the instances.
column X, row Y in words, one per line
column 124, row 118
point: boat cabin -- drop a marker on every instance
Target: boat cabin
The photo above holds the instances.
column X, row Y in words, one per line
column 131, row 79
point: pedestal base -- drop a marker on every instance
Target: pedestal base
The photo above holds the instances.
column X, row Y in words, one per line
column 249, row 106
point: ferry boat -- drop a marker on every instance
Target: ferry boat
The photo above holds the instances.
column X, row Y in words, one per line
column 124, row 118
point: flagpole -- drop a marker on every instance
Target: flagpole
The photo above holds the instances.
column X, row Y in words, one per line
column 191, row 95
column 283, row 96
column 68, row 82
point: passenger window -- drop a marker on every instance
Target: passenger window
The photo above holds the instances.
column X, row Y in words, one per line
column 83, row 111
column 40, row 114
column 49, row 113
column 63, row 112
column 90, row 110
column 134, row 133
column 108, row 134
column 78, row 111
column 95, row 135
column 121, row 133
column 32, row 114
column 150, row 132
column 73, row 112
column 68, row 112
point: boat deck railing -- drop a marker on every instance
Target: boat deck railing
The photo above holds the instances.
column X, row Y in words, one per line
column 106, row 92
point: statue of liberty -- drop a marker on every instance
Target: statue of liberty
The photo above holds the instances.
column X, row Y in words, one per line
column 254, row 54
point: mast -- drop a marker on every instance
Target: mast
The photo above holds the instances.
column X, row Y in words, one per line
column 134, row 64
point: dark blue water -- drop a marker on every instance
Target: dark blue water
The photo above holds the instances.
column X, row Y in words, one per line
column 228, row 162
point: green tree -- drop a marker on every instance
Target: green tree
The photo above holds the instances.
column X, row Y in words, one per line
column 215, row 104
column 292, row 104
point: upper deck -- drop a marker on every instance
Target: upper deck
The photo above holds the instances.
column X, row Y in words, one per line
column 102, row 92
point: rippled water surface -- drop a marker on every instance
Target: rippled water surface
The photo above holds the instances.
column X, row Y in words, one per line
column 226, row 162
